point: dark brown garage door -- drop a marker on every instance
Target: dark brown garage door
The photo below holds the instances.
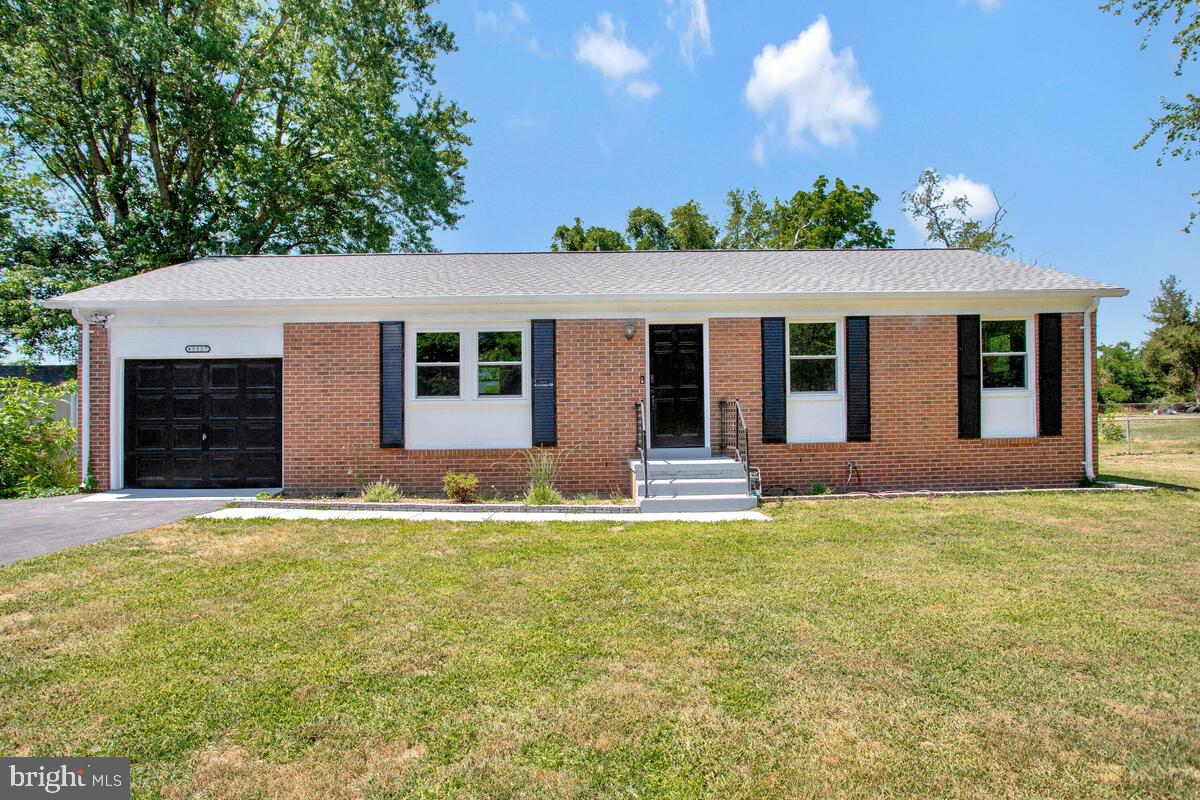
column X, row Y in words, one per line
column 204, row 424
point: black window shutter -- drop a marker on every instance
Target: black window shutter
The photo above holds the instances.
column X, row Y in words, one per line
column 391, row 384
column 970, row 425
column 858, row 379
column 1049, row 356
column 545, row 393
column 774, row 380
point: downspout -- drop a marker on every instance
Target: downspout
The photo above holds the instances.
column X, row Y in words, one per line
column 85, row 398
column 1088, row 445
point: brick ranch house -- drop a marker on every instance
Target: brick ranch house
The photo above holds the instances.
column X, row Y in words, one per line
column 877, row 369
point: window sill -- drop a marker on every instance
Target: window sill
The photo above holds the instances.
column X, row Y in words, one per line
column 814, row 396
column 455, row 401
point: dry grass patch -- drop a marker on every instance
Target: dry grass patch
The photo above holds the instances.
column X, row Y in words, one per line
column 1031, row 645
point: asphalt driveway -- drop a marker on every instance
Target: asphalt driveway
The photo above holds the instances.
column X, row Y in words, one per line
column 31, row 528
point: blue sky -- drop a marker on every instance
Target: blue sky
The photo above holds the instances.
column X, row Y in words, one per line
column 589, row 109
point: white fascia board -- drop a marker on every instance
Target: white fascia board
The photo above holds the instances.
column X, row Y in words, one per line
column 619, row 306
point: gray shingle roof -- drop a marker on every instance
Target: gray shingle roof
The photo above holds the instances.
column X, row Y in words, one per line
column 263, row 280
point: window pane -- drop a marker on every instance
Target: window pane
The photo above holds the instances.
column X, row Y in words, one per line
column 499, row 346
column 1004, row 372
column 1003, row 336
column 814, row 375
column 501, row 381
column 813, row 338
column 437, row 347
column 437, row 381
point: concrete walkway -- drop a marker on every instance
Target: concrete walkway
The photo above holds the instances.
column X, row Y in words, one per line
column 481, row 516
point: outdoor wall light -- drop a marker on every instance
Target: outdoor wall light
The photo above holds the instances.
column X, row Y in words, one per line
column 628, row 331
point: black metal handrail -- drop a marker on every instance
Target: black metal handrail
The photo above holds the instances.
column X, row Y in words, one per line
column 733, row 425
column 643, row 444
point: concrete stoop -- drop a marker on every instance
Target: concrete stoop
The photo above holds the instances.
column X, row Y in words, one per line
column 688, row 485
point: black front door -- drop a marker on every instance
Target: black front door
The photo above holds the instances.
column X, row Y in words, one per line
column 676, row 385
column 204, row 424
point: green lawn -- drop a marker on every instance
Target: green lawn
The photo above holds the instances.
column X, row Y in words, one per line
column 1163, row 450
column 1022, row 646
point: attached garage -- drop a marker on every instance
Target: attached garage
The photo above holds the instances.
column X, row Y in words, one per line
column 203, row 423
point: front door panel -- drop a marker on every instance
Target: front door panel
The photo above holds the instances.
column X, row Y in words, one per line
column 676, row 385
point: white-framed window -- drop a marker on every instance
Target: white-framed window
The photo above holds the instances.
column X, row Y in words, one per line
column 813, row 356
column 439, row 364
column 1004, row 346
column 499, row 363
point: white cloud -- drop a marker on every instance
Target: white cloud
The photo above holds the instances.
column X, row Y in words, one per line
column 759, row 151
column 822, row 92
column 606, row 49
column 642, row 89
column 980, row 196
column 986, row 6
column 508, row 26
column 689, row 19
column 981, row 200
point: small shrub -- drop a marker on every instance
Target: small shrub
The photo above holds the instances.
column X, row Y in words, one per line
column 1111, row 430
column 381, row 492
column 587, row 498
column 37, row 452
column 616, row 497
column 460, row 486
column 819, row 488
column 263, row 496
column 543, row 495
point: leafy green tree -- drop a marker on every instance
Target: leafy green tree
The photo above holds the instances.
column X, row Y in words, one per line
column 576, row 238
column 947, row 221
column 690, row 228
column 821, row 219
column 647, row 230
column 748, row 223
column 1123, row 377
column 296, row 125
column 1179, row 124
column 1172, row 350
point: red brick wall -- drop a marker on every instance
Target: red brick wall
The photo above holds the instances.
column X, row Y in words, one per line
column 100, row 401
column 914, row 415
column 331, row 413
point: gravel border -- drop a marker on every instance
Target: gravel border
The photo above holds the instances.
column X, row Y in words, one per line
column 930, row 493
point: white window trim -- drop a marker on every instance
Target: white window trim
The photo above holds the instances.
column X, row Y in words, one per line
column 500, row 398
column 1027, row 353
column 468, row 363
column 837, row 357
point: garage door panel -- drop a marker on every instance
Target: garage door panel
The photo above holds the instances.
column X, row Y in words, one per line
column 262, row 375
column 201, row 423
column 223, row 437
column 223, row 375
column 187, row 406
column 261, row 406
column 187, row 375
column 187, row 437
column 225, row 406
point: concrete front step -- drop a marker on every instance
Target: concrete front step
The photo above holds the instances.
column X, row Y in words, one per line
column 690, row 468
column 698, row 502
column 693, row 486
